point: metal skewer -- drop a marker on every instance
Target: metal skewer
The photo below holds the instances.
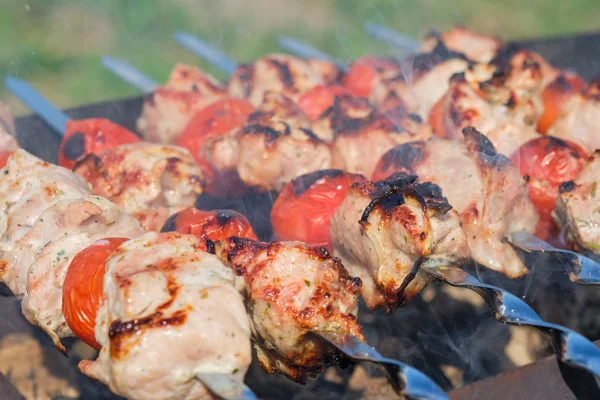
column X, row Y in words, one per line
column 581, row 270
column 226, row 387
column 207, row 52
column 407, row 381
column 129, row 74
column 392, row 37
column 305, row 50
column 571, row 348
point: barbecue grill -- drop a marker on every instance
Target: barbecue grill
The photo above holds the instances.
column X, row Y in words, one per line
column 436, row 332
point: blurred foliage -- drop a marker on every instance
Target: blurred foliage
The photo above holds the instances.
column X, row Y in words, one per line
column 56, row 44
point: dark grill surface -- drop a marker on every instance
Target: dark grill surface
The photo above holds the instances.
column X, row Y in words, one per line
column 437, row 332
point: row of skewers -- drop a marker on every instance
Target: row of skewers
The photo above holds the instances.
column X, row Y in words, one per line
column 287, row 135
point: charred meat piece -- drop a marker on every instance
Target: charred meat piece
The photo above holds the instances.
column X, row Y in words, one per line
column 477, row 47
column 387, row 233
column 171, row 311
column 144, row 177
column 330, row 73
column 483, row 186
column 168, row 109
column 578, row 207
column 579, row 119
column 360, row 134
column 292, row 290
column 280, row 73
column 367, row 72
column 275, row 146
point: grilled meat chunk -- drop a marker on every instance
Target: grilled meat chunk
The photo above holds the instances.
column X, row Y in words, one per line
column 578, row 205
column 359, row 134
column 275, row 146
column 483, row 186
column 142, row 177
column 291, row 290
column 389, row 233
column 171, row 311
column 477, row 47
column 579, row 119
column 330, row 73
column 7, row 130
column 169, row 108
column 280, row 73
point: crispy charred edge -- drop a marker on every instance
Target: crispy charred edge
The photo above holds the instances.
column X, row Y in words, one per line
column 503, row 63
column 592, row 89
column 245, row 73
column 425, row 62
column 560, row 84
column 283, row 69
column 485, row 150
column 551, row 143
column 236, row 246
column 304, row 182
column 171, row 167
column 403, row 157
column 566, row 187
column 220, row 218
column 342, row 123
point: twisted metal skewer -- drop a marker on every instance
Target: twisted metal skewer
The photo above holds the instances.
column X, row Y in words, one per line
column 129, row 74
column 581, row 269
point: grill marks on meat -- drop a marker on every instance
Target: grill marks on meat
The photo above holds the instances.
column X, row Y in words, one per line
column 171, row 311
column 578, row 207
column 148, row 180
column 47, row 217
column 280, row 73
column 477, row 47
column 484, row 187
column 291, row 290
column 388, row 233
column 360, row 135
column 169, row 108
column 580, row 117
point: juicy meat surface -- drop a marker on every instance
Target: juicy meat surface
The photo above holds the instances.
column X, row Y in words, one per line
column 171, row 311
column 389, row 233
column 280, row 73
column 578, row 205
column 142, row 177
column 168, row 109
column 477, row 47
column 275, row 146
column 359, row 134
column 291, row 290
column 483, row 186
column 579, row 119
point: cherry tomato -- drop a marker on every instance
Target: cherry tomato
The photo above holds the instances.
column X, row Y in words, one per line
column 548, row 161
column 361, row 75
column 82, row 290
column 4, row 158
column 214, row 225
column 306, row 205
column 218, row 118
column 317, row 100
column 87, row 136
column 554, row 96
column 436, row 118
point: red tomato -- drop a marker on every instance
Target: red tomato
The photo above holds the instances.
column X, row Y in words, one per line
column 317, row 100
column 214, row 225
column 360, row 77
column 4, row 158
column 218, row 118
column 555, row 95
column 304, row 208
column 91, row 136
column 82, row 290
column 548, row 161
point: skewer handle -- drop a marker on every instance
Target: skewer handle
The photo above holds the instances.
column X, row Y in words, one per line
column 207, row 52
column 304, row 50
column 226, row 386
column 129, row 73
column 581, row 269
column 38, row 104
column 406, row 380
column 570, row 347
column 392, row 37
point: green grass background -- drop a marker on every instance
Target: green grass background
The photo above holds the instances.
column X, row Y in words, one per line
column 56, row 44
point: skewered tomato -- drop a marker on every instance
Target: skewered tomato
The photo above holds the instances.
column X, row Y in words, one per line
column 91, row 136
column 82, row 290
column 555, row 96
column 218, row 118
column 317, row 100
column 306, row 205
column 213, row 225
column 361, row 75
column 548, row 161
column 4, row 158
